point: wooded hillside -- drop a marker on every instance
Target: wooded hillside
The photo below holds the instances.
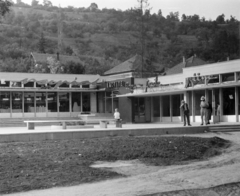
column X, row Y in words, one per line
column 104, row 38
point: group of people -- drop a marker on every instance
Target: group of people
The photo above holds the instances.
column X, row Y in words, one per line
column 205, row 111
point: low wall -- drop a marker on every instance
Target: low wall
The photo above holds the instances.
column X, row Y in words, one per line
column 80, row 134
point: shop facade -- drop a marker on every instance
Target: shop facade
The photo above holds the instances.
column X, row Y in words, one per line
column 159, row 99
column 28, row 95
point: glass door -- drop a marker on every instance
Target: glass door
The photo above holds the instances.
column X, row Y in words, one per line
column 139, row 110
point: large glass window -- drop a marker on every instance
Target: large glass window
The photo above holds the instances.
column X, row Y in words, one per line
column 176, row 102
column 156, row 106
column 213, row 79
column 190, row 94
column 228, row 101
column 229, row 77
column 76, row 102
column 4, row 83
column 52, row 102
column 4, row 102
column 29, row 102
column 29, row 84
column 198, row 95
column 64, row 102
column 166, row 106
column 17, row 102
column 40, row 102
column 86, row 107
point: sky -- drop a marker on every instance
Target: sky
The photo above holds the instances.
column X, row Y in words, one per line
column 209, row 9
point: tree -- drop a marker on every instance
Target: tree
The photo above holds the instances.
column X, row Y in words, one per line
column 42, row 43
column 47, row 3
column 35, row 3
column 5, row 6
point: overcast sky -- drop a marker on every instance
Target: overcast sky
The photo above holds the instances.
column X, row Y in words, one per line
column 209, row 9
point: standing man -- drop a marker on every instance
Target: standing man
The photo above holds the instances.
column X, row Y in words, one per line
column 203, row 111
column 185, row 109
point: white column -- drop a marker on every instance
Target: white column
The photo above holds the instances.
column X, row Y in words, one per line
column 193, row 106
column 70, row 103
column 236, row 104
column 47, row 104
column 10, row 104
column 171, row 113
column 161, row 109
column 221, row 102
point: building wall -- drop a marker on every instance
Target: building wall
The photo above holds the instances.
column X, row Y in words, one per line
column 125, row 109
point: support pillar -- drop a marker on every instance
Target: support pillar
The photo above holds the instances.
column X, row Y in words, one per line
column 171, row 108
column 221, row 102
column 193, row 107
column 161, row 109
column 213, row 106
column 236, row 104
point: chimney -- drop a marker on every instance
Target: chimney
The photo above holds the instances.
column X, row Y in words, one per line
column 58, row 56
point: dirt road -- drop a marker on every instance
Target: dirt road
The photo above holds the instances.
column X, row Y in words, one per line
column 144, row 180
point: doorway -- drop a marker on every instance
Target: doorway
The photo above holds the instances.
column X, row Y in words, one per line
column 139, row 110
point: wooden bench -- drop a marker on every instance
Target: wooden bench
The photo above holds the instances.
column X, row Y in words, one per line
column 31, row 123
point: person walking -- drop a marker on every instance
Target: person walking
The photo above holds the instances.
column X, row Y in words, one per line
column 203, row 111
column 185, row 109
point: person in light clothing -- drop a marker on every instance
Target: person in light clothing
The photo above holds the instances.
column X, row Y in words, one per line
column 203, row 111
column 116, row 114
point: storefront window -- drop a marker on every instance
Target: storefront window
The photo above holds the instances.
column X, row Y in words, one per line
column 64, row 102
column 86, row 102
column 29, row 84
column 156, row 106
column 166, row 106
column 29, row 102
column 190, row 94
column 228, row 101
column 198, row 95
column 4, row 102
column 213, row 79
column 176, row 102
column 17, row 102
column 52, row 102
column 108, row 99
column 40, row 102
column 76, row 102
column 4, row 83
column 229, row 77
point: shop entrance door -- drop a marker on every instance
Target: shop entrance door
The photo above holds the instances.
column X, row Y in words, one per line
column 139, row 110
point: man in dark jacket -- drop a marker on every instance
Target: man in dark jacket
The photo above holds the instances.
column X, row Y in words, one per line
column 185, row 109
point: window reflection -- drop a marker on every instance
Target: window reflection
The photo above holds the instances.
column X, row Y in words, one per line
column 76, row 101
column 4, row 102
column 17, row 102
column 29, row 102
column 86, row 102
column 64, row 102
column 52, row 102
column 40, row 102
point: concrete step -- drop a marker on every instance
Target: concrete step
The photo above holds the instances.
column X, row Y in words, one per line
column 224, row 128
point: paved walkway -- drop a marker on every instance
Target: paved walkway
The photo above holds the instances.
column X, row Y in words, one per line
column 43, row 129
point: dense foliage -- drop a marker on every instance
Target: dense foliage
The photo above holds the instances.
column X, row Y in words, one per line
column 103, row 38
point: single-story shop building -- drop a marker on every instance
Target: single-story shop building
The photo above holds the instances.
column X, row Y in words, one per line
column 140, row 100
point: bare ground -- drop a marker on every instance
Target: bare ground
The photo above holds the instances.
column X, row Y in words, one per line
column 195, row 178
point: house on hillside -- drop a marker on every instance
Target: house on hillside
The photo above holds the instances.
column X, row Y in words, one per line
column 39, row 59
column 133, row 68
